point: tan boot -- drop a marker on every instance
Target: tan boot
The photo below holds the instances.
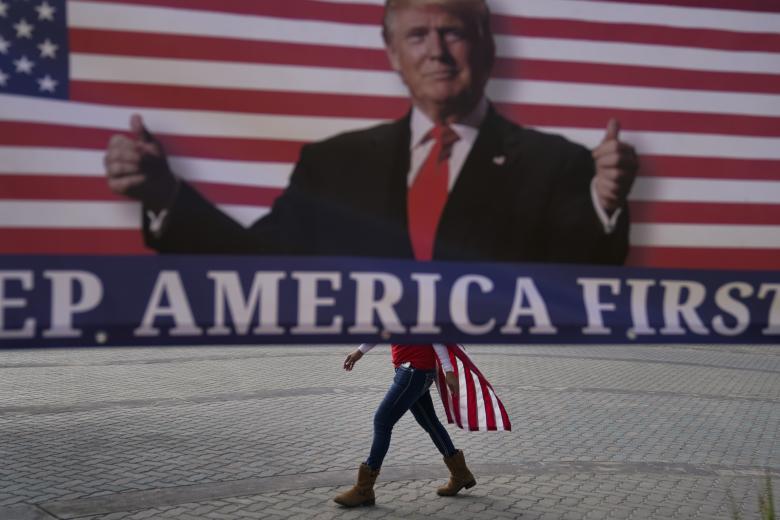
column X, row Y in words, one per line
column 362, row 493
column 460, row 476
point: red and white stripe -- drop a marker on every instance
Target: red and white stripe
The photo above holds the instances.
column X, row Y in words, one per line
column 234, row 88
column 476, row 408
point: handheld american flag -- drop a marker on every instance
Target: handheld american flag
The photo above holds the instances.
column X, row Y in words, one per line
column 476, row 407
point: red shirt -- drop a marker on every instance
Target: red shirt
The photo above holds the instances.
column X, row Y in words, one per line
column 422, row 357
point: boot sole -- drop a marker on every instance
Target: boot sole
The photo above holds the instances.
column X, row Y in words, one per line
column 467, row 485
column 366, row 503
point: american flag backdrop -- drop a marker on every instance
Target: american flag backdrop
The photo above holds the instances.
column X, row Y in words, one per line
column 233, row 88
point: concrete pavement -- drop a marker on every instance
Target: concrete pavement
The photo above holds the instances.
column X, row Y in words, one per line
column 273, row 432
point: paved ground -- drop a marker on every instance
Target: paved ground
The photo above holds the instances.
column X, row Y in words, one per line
column 274, row 432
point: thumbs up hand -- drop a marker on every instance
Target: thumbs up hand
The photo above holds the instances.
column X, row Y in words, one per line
column 137, row 167
column 616, row 167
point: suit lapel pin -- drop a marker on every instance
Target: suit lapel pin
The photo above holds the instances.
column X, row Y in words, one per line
column 499, row 160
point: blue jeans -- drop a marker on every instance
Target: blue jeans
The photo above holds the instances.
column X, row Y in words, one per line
column 409, row 391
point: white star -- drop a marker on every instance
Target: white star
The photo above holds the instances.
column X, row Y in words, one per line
column 47, row 84
column 24, row 65
column 45, row 11
column 4, row 45
column 48, row 49
column 3, row 9
column 23, row 29
column 3, row 78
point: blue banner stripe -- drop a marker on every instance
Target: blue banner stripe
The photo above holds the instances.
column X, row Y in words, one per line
column 77, row 301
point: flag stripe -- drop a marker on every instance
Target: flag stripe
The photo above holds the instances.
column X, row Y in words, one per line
column 709, row 167
column 76, row 162
column 237, row 149
column 449, row 401
column 471, row 400
column 152, row 19
column 710, row 235
column 466, row 399
column 71, row 241
column 48, row 187
column 770, row 6
column 243, row 100
column 637, row 33
column 539, row 115
column 636, row 75
column 479, row 404
column 488, row 405
column 92, row 214
column 704, row 258
column 701, row 190
column 454, row 399
column 501, row 420
column 182, row 122
column 704, row 213
column 294, row 9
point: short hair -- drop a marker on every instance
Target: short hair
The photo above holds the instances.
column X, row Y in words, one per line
column 476, row 9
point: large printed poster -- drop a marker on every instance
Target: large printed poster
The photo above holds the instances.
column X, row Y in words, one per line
column 241, row 95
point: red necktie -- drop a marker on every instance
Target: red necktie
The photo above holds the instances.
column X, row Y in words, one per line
column 428, row 193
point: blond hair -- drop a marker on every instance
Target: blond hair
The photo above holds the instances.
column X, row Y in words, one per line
column 470, row 9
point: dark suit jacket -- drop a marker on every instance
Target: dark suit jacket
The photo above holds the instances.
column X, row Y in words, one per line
column 522, row 196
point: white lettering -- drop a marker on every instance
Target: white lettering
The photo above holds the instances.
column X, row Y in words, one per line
column 674, row 308
column 227, row 289
column 169, row 286
column 367, row 304
column 63, row 305
column 309, row 301
column 593, row 304
column 639, row 316
column 773, row 321
column 459, row 306
column 28, row 327
column 733, row 307
column 426, row 303
column 525, row 290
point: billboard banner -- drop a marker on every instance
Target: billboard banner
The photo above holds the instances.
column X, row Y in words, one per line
column 70, row 300
column 583, row 154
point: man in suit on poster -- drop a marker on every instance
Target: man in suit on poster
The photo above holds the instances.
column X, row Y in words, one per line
column 453, row 180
